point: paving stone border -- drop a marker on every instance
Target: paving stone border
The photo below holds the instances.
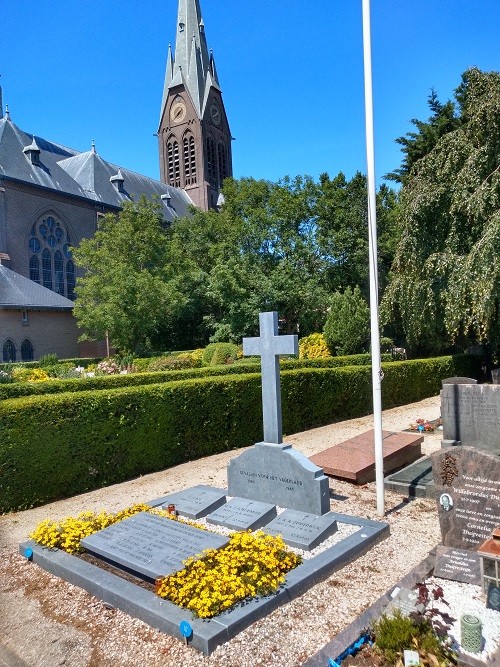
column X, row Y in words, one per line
column 207, row 634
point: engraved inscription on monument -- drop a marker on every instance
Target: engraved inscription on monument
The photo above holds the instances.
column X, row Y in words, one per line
column 195, row 502
column 243, row 514
column 471, row 415
column 150, row 546
column 467, row 483
column 458, row 565
column 302, row 529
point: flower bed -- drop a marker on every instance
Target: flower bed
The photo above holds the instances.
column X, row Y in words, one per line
column 251, row 565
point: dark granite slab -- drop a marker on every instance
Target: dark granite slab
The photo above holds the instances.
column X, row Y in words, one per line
column 471, row 416
column 414, row 480
column 467, row 483
column 458, row 565
column 243, row 514
column 302, row 529
column 193, row 503
column 150, row 546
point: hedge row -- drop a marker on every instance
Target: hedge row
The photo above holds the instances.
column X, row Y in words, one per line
column 17, row 389
column 77, row 361
column 57, row 446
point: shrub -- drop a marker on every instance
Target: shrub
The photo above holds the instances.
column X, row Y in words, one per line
column 55, row 446
column 347, row 327
column 5, row 377
column 171, row 363
column 394, row 634
column 107, row 367
column 217, row 354
column 48, row 360
column 313, row 347
column 20, row 374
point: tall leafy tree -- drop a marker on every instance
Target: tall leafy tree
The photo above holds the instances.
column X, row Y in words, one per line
column 416, row 145
column 445, row 285
column 126, row 290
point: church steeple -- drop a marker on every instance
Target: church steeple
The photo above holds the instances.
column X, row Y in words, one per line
column 194, row 135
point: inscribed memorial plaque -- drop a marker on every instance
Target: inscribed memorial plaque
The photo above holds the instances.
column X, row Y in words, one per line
column 302, row 529
column 195, row 502
column 467, row 483
column 280, row 475
column 150, row 546
column 471, row 415
column 458, row 565
column 243, row 514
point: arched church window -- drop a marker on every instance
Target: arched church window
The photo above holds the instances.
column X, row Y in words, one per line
column 51, row 262
column 26, row 350
column 222, row 155
column 9, row 351
column 70, row 279
column 211, row 165
column 174, row 167
column 189, row 160
column 47, row 269
column 59, row 272
column 35, row 269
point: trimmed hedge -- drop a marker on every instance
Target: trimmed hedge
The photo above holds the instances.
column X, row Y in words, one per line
column 17, row 389
column 57, row 446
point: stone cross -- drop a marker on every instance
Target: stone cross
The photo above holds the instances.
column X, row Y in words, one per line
column 269, row 346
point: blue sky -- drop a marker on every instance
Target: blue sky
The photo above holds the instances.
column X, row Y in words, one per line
column 291, row 73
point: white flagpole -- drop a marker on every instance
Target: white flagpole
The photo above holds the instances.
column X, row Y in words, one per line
column 372, row 234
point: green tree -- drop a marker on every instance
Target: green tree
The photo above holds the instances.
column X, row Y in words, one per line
column 416, row 145
column 347, row 327
column 127, row 289
column 445, row 284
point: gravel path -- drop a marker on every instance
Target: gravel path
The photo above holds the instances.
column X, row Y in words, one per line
column 45, row 622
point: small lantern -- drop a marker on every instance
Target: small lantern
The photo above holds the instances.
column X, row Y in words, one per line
column 171, row 509
column 489, row 553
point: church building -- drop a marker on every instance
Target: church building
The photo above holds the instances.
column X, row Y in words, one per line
column 51, row 196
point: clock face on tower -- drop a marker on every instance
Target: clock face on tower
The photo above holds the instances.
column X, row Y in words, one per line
column 215, row 114
column 177, row 112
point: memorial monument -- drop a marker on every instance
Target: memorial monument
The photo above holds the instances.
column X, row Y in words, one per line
column 271, row 487
column 272, row 470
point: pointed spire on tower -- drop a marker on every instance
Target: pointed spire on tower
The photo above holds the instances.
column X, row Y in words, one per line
column 1, row 104
column 191, row 55
column 7, row 114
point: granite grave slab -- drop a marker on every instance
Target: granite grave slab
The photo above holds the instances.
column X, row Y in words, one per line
column 354, row 459
column 467, row 485
column 414, row 481
column 302, row 529
column 207, row 634
column 458, row 565
column 195, row 502
column 471, row 416
column 150, row 546
column 243, row 514
column 281, row 475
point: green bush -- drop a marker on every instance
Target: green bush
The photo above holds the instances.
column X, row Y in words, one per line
column 171, row 363
column 217, row 354
column 48, row 360
column 347, row 327
column 245, row 365
column 55, row 446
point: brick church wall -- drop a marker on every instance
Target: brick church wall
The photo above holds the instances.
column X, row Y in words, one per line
column 48, row 332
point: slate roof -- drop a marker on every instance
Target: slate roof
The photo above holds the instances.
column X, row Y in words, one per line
column 85, row 175
column 18, row 292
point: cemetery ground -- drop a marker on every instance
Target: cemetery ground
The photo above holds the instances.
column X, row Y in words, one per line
column 46, row 622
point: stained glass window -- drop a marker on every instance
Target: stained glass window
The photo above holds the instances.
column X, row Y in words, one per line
column 9, row 351
column 26, row 350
